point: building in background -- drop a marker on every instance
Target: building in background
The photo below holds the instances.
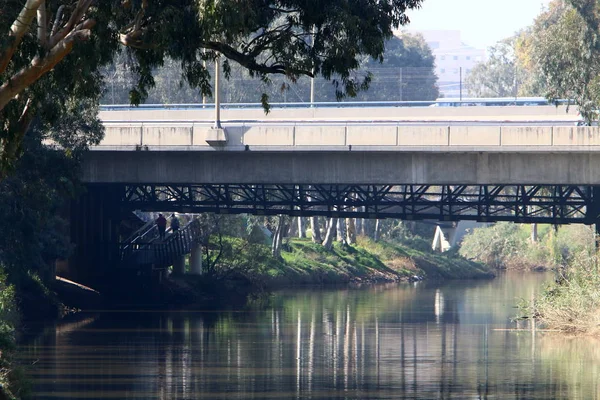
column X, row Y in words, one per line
column 453, row 58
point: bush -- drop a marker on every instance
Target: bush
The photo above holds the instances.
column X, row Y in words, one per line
column 499, row 246
column 8, row 320
column 508, row 245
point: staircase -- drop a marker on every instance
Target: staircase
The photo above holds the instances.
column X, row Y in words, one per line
column 146, row 248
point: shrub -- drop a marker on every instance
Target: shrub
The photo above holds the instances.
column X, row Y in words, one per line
column 498, row 246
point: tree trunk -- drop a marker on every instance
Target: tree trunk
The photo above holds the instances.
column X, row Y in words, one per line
column 363, row 224
column 301, row 228
column 276, row 247
column 341, row 231
column 350, row 231
column 534, row 233
column 376, row 233
column 328, row 242
column 316, row 230
column 293, row 230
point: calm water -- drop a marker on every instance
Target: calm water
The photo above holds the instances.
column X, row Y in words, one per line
column 420, row 341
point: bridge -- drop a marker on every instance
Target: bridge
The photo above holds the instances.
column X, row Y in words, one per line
column 522, row 164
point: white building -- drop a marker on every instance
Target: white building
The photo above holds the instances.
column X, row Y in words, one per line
column 453, row 59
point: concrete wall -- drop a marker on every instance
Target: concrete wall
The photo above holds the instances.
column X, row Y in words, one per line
column 367, row 137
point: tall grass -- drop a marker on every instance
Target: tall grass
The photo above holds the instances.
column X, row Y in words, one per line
column 572, row 303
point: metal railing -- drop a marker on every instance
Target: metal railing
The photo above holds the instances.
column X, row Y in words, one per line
column 161, row 254
column 442, row 102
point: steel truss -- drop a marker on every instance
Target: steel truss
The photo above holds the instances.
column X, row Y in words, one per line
column 556, row 204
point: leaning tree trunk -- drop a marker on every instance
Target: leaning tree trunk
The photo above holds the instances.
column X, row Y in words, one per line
column 328, row 242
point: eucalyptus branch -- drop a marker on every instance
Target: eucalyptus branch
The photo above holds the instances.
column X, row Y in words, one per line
column 17, row 30
column 250, row 62
column 42, row 21
column 42, row 64
column 76, row 18
column 56, row 25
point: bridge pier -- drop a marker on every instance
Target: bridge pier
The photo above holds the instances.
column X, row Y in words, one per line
column 196, row 260
column 179, row 265
column 94, row 229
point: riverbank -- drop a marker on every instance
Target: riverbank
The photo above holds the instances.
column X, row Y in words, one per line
column 305, row 262
column 571, row 304
column 244, row 269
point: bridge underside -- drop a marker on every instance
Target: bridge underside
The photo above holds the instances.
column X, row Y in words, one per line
column 553, row 204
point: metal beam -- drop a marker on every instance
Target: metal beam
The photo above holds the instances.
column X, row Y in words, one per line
column 553, row 204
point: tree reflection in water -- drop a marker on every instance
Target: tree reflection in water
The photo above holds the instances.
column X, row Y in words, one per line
column 402, row 341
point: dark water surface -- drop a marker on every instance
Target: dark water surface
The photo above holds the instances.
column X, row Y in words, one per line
column 423, row 341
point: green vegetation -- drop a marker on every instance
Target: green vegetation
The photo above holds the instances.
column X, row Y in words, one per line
column 565, row 45
column 8, row 321
column 506, row 72
column 572, row 303
column 557, row 56
column 304, row 262
column 510, row 246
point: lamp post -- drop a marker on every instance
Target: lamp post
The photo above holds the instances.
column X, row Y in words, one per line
column 217, row 94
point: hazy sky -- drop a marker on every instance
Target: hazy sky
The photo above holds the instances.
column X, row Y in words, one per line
column 482, row 22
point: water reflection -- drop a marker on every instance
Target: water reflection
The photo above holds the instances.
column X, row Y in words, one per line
column 423, row 341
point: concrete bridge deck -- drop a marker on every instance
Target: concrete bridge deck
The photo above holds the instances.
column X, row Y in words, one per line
column 376, row 145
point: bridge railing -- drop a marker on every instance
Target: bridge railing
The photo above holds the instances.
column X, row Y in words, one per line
column 443, row 102
column 339, row 136
column 177, row 244
column 161, row 254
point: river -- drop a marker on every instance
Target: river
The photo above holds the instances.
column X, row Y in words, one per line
column 408, row 341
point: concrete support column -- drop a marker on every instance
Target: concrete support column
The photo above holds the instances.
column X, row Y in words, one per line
column 196, row 260
column 179, row 266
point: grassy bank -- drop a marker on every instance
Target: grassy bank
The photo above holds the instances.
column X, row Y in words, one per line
column 304, row 262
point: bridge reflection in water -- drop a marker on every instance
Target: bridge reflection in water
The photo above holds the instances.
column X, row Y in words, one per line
column 423, row 342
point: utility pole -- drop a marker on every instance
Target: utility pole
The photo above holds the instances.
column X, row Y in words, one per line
column 401, row 84
column 312, row 78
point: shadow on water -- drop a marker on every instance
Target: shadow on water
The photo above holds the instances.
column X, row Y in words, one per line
column 412, row 341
